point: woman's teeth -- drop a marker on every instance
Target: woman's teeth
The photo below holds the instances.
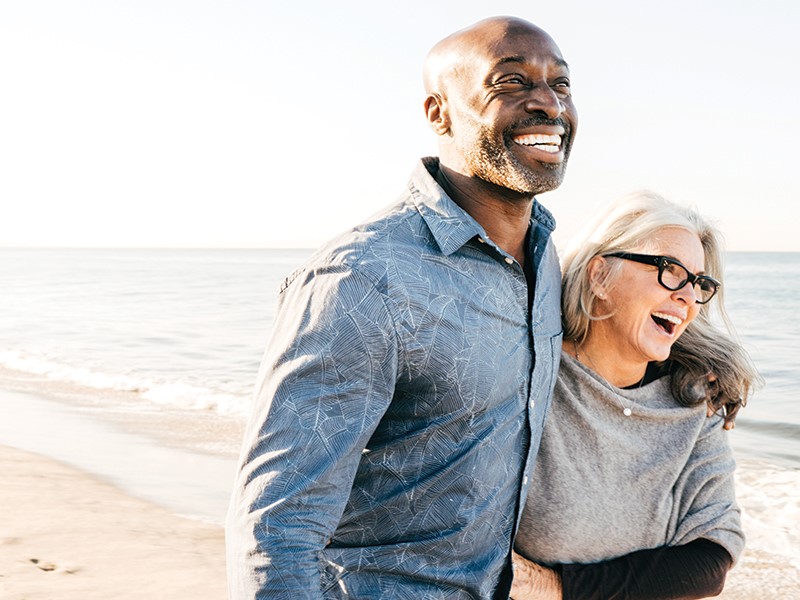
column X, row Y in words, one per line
column 667, row 322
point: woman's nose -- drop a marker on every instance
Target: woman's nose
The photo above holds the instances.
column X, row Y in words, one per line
column 688, row 293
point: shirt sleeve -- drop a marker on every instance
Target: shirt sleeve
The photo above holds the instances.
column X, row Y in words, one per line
column 696, row 570
column 326, row 380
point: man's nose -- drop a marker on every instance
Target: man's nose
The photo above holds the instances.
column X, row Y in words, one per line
column 543, row 99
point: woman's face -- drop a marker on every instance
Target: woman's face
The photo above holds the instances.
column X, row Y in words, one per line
column 647, row 317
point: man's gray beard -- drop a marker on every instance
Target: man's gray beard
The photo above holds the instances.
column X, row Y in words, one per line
column 497, row 165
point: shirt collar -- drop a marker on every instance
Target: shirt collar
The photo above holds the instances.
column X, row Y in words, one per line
column 543, row 216
column 450, row 225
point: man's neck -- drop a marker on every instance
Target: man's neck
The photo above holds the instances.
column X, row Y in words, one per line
column 503, row 213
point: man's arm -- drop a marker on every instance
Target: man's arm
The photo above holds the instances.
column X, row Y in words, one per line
column 326, row 380
column 533, row 581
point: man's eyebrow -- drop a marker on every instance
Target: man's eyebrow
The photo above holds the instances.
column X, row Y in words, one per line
column 521, row 59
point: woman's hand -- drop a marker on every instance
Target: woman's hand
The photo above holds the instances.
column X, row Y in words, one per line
column 715, row 405
column 533, row 581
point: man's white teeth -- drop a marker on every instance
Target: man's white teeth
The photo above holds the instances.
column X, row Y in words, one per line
column 671, row 318
column 548, row 143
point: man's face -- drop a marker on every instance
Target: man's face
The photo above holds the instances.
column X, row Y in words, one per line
column 511, row 111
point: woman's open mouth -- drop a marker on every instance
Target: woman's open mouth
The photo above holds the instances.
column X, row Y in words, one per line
column 666, row 322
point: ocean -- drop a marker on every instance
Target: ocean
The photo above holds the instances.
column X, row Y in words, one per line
column 176, row 336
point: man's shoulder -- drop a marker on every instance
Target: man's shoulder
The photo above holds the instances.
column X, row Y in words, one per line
column 377, row 248
column 394, row 241
column 379, row 237
column 404, row 224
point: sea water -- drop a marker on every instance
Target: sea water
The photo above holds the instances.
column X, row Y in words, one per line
column 179, row 327
column 185, row 330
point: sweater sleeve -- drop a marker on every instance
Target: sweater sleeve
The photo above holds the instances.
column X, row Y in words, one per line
column 707, row 539
column 695, row 570
column 704, row 498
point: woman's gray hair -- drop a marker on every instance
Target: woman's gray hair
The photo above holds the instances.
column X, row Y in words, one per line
column 708, row 363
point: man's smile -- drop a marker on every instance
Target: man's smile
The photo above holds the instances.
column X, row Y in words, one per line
column 540, row 141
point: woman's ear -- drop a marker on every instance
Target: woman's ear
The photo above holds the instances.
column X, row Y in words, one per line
column 598, row 274
column 437, row 113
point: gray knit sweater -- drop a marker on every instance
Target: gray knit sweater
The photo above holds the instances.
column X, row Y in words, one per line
column 606, row 485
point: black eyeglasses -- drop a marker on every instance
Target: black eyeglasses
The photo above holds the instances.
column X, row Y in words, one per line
column 673, row 275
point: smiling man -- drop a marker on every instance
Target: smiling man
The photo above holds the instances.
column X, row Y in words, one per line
column 499, row 97
column 401, row 399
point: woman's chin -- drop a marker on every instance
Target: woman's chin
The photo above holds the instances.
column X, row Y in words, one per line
column 659, row 354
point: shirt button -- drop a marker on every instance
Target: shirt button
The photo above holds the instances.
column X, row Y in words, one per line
column 533, row 403
column 481, row 240
column 525, row 480
column 509, row 260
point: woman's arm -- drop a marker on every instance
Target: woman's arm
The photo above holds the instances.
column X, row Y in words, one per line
column 695, row 570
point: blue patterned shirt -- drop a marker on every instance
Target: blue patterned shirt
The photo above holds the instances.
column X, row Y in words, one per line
column 398, row 411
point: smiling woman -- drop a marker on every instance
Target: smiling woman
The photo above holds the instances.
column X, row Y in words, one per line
column 635, row 474
column 642, row 318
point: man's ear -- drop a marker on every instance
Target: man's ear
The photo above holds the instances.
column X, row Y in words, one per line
column 437, row 114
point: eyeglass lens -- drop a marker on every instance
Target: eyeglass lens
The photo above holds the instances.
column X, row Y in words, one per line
column 675, row 276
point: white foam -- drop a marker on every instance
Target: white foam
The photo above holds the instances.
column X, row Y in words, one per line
column 770, row 503
column 185, row 395
column 166, row 393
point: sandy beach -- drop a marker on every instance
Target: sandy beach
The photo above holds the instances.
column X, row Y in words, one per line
column 65, row 534
column 762, row 576
column 102, row 504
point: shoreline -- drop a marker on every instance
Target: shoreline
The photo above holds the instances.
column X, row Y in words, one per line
column 185, row 480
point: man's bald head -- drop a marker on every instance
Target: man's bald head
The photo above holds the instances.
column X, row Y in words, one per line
column 454, row 52
column 500, row 101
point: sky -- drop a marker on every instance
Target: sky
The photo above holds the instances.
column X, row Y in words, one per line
column 191, row 123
